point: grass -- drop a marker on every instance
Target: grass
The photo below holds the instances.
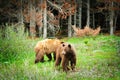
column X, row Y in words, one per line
column 97, row 59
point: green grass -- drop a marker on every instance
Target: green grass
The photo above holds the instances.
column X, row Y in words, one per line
column 97, row 59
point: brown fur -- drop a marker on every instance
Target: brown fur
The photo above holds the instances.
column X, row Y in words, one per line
column 65, row 54
column 47, row 47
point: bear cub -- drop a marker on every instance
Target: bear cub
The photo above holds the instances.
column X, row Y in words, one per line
column 66, row 55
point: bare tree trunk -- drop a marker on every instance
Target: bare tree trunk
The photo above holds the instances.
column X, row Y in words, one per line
column 40, row 27
column 69, row 26
column 75, row 19
column 45, row 21
column 21, row 13
column 32, row 19
column 55, row 6
column 75, row 16
column 106, row 21
column 93, row 20
column 111, row 20
column 80, row 13
column 88, row 13
column 115, row 21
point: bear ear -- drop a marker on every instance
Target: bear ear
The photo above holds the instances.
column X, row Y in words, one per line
column 62, row 42
column 69, row 45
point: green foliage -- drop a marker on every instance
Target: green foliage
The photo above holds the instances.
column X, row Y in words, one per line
column 97, row 59
column 11, row 44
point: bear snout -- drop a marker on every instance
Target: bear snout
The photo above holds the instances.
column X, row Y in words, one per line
column 36, row 61
column 63, row 52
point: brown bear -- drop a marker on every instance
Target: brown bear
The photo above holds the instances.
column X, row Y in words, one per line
column 66, row 54
column 47, row 47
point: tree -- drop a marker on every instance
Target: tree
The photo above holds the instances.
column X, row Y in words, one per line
column 93, row 17
column 65, row 9
column 21, row 12
column 45, row 20
column 75, row 14
column 80, row 13
column 69, row 26
column 32, row 18
column 111, row 19
column 111, row 7
column 88, row 13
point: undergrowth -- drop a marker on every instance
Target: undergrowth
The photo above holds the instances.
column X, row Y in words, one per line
column 97, row 58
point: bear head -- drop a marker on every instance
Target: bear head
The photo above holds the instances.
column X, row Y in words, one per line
column 67, row 49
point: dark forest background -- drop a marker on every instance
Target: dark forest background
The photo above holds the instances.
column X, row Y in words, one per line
column 50, row 18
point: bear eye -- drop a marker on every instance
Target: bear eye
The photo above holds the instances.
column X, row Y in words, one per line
column 69, row 46
column 63, row 45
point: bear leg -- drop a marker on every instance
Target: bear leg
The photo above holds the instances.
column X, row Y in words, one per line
column 54, row 54
column 57, row 62
column 49, row 56
column 65, row 64
column 73, row 63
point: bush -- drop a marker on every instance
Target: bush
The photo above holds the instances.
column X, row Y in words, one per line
column 11, row 44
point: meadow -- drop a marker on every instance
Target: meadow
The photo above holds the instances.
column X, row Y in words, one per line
column 98, row 58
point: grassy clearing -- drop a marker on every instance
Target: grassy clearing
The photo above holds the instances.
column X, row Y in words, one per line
column 97, row 59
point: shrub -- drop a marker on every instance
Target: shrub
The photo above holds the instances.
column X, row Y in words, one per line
column 87, row 31
column 11, row 44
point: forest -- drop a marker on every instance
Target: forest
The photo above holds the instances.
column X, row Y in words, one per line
column 44, row 17
column 91, row 26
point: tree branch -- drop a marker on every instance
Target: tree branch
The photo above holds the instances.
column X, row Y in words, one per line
column 55, row 6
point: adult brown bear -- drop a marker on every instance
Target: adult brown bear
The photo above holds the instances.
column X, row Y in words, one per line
column 66, row 53
column 46, row 47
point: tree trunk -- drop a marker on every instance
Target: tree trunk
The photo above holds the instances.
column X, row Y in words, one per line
column 115, row 21
column 69, row 26
column 111, row 20
column 21, row 13
column 80, row 13
column 75, row 16
column 75, row 19
column 45, row 20
column 106, row 21
column 32, row 19
column 93, row 20
column 40, row 27
column 88, row 13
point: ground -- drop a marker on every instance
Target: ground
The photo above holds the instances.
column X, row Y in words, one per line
column 97, row 59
